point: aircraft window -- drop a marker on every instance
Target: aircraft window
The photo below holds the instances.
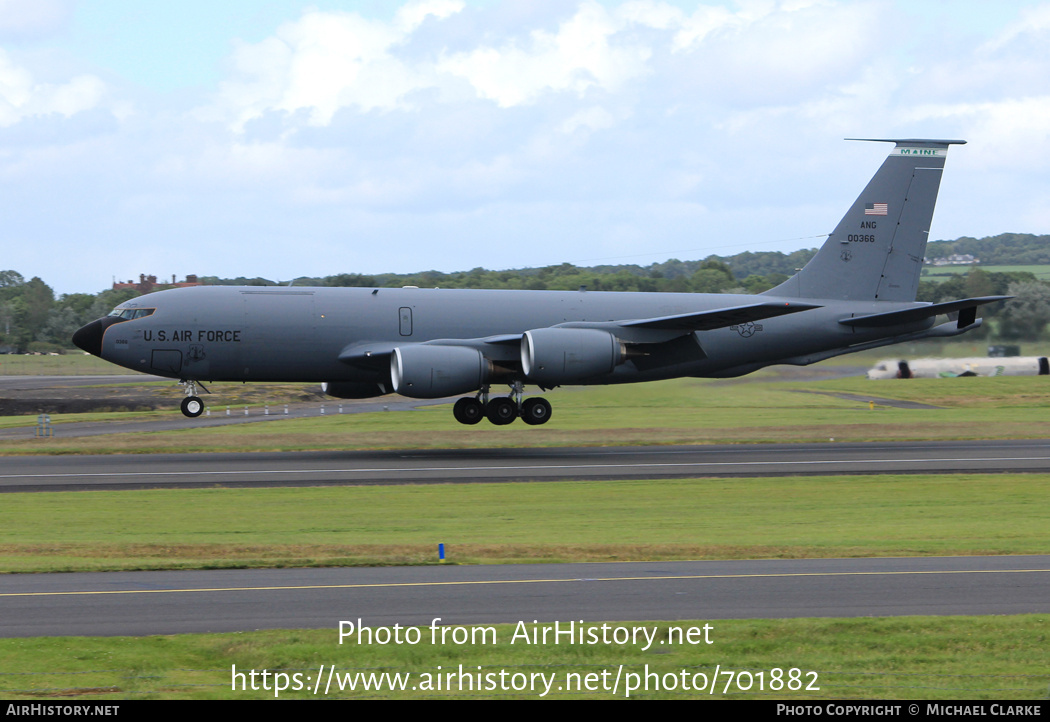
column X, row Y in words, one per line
column 126, row 314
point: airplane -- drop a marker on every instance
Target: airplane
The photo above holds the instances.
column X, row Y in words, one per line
column 857, row 293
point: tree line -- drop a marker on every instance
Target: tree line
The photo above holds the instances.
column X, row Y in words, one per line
column 33, row 320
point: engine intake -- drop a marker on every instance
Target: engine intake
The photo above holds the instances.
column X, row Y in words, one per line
column 432, row 372
column 555, row 356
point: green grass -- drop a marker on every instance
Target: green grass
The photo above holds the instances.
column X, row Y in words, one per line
column 793, row 517
column 929, row 658
column 683, row 411
column 73, row 363
column 30, row 420
column 942, row 273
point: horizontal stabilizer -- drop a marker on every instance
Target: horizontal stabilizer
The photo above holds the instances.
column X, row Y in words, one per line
column 721, row 317
column 914, row 142
column 918, row 313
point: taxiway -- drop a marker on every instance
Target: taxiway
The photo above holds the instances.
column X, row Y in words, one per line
column 143, row 603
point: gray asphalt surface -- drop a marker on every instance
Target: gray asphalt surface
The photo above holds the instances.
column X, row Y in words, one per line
column 139, row 471
column 141, row 603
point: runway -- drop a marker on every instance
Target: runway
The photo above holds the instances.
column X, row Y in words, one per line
column 142, row 603
column 73, row 473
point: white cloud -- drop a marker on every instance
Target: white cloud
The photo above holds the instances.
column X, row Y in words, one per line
column 411, row 16
column 1007, row 135
column 582, row 54
column 705, row 21
column 1034, row 21
column 21, row 97
column 327, row 61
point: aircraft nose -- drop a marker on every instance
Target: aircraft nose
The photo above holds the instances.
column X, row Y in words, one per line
column 89, row 337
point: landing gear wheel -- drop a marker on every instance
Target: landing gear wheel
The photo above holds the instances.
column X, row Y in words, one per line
column 501, row 411
column 468, row 411
column 192, row 406
column 536, row 411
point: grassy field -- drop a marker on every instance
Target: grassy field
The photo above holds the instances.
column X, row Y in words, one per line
column 73, row 363
column 795, row 517
column 929, row 658
column 942, row 273
column 684, row 411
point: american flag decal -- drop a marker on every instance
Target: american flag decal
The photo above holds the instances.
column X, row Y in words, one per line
column 876, row 209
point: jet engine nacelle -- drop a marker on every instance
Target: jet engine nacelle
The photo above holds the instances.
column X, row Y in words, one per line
column 431, row 372
column 353, row 389
column 554, row 356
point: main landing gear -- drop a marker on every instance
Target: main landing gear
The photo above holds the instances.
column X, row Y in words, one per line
column 192, row 406
column 503, row 410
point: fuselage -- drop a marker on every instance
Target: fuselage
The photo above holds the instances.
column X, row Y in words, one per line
column 224, row 333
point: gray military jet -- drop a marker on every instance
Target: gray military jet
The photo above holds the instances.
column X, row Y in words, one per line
column 857, row 293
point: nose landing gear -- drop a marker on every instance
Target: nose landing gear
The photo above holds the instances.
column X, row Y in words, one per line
column 192, row 406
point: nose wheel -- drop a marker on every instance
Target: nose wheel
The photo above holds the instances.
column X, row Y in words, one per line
column 192, row 406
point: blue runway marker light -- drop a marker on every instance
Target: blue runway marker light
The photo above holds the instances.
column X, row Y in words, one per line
column 441, row 552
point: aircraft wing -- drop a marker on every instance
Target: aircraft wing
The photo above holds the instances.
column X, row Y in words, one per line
column 967, row 309
column 377, row 354
column 719, row 318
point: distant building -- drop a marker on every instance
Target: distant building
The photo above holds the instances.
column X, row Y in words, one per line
column 945, row 368
column 148, row 284
column 956, row 259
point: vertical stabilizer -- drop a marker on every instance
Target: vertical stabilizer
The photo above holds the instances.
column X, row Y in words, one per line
column 876, row 250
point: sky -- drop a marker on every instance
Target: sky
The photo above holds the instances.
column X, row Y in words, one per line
column 282, row 139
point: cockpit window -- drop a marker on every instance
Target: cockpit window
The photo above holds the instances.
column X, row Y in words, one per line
column 126, row 314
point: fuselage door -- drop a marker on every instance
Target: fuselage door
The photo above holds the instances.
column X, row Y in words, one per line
column 406, row 321
column 167, row 361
